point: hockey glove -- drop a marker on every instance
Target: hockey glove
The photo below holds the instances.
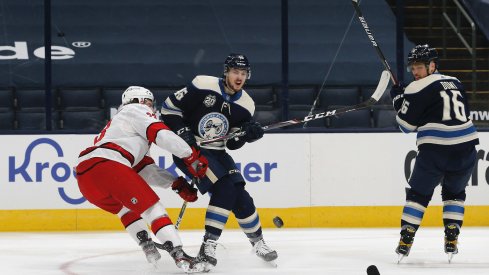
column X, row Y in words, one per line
column 184, row 190
column 187, row 135
column 397, row 95
column 253, row 131
column 196, row 163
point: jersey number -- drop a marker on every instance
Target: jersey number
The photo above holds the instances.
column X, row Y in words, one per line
column 102, row 133
column 180, row 93
column 458, row 107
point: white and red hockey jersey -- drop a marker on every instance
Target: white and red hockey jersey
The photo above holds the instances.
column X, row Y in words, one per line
column 128, row 136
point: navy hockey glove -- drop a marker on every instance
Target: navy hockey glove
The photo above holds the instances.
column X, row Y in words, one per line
column 253, row 131
column 187, row 135
column 397, row 95
column 184, row 190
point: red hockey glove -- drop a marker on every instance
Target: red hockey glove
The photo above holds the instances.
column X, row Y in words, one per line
column 184, row 189
column 196, row 163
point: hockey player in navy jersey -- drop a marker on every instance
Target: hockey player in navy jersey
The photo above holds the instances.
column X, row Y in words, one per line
column 211, row 107
column 435, row 105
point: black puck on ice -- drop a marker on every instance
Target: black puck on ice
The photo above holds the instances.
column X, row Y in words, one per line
column 372, row 270
column 278, row 222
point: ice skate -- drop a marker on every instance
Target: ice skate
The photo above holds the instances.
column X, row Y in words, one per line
column 187, row 263
column 148, row 247
column 207, row 254
column 262, row 250
column 406, row 241
column 451, row 240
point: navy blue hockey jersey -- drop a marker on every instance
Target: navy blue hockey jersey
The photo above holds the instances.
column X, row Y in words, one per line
column 436, row 106
column 207, row 109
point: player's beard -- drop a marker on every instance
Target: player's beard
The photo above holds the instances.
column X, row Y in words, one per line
column 234, row 87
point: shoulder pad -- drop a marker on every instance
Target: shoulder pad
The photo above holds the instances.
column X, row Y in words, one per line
column 419, row 85
column 206, row 82
column 247, row 102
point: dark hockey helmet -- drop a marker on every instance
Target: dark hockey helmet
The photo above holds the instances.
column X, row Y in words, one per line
column 422, row 53
column 237, row 61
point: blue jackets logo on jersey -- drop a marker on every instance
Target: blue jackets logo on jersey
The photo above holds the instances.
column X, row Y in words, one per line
column 213, row 125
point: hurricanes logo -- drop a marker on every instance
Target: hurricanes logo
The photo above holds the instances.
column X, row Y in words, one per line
column 209, row 100
column 213, row 125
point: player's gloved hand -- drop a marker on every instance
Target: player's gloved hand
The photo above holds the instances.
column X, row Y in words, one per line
column 187, row 135
column 253, row 131
column 196, row 163
column 396, row 90
column 397, row 95
column 184, row 190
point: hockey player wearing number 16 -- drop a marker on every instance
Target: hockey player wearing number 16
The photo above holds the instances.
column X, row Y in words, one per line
column 211, row 107
column 435, row 105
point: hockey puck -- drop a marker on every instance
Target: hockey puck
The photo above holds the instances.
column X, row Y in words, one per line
column 372, row 270
column 278, row 222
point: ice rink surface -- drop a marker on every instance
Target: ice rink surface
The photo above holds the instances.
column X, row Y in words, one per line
column 301, row 251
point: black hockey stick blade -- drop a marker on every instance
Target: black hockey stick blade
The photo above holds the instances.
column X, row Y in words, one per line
column 370, row 35
column 379, row 91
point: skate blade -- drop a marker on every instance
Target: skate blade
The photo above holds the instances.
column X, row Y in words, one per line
column 153, row 261
column 207, row 267
column 450, row 256
column 154, row 264
column 272, row 263
column 400, row 258
column 197, row 268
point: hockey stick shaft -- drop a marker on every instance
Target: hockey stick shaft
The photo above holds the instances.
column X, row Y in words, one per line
column 180, row 215
column 379, row 91
column 370, row 35
column 195, row 180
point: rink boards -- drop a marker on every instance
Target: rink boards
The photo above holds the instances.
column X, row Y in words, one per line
column 309, row 180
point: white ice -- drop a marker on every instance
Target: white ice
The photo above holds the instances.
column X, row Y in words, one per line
column 301, row 251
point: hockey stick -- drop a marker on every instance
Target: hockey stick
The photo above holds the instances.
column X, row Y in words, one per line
column 379, row 91
column 315, row 103
column 372, row 39
column 195, row 180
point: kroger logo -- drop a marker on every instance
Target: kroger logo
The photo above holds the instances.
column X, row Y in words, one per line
column 59, row 171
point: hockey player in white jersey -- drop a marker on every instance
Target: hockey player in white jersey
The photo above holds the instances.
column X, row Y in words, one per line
column 115, row 174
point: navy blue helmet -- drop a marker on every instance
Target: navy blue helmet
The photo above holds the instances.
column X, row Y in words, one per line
column 237, row 61
column 422, row 53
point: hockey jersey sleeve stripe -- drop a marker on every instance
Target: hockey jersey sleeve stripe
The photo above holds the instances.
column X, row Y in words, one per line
column 143, row 163
column 153, row 129
column 168, row 108
column 404, row 126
